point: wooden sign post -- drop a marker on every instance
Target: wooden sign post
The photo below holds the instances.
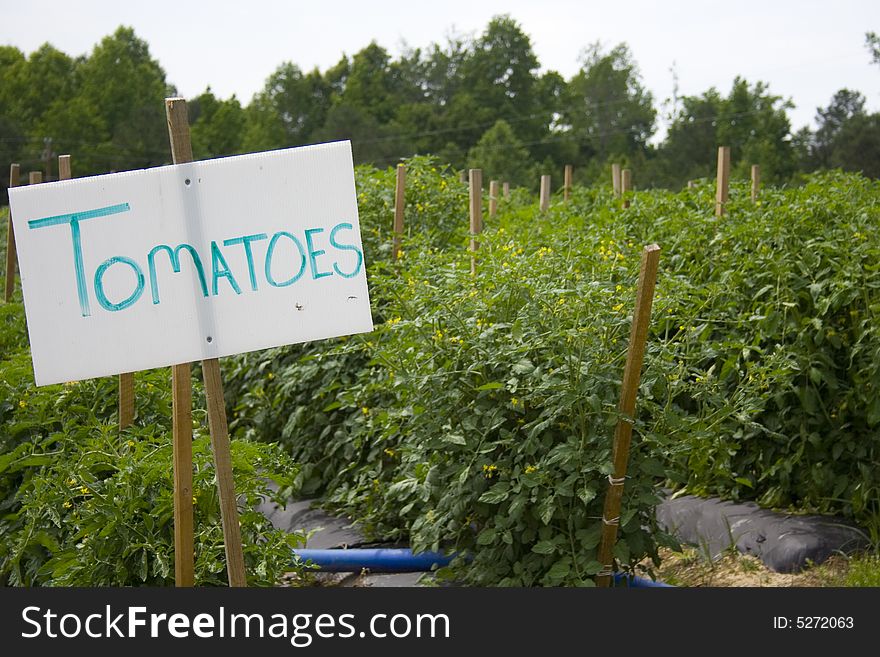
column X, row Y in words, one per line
column 625, row 186
column 623, row 433
column 476, row 213
column 545, row 193
column 756, row 182
column 505, row 189
column 181, row 152
column 493, row 198
column 723, row 180
column 181, row 394
column 399, row 204
column 615, row 180
column 566, row 184
column 134, row 291
column 14, row 176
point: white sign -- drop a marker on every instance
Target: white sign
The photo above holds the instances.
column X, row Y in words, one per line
column 145, row 269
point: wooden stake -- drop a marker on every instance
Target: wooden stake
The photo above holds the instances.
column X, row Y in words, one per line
column 181, row 392
column 223, row 468
column 623, row 433
column 64, row 167
column 11, row 257
column 756, row 181
column 399, row 204
column 723, row 180
column 615, row 180
column 505, row 189
column 476, row 213
column 35, row 177
column 493, row 198
column 545, row 193
column 184, row 531
column 625, row 186
column 463, row 176
column 126, row 400
column 566, row 184
column 181, row 151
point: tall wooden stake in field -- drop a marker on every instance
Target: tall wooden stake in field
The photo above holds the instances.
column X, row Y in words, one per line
column 399, row 204
column 181, row 152
column 566, row 183
column 623, row 433
column 476, row 213
column 723, row 180
column 493, row 198
column 545, row 193
column 615, row 180
column 11, row 256
column 625, row 186
column 505, row 189
column 756, row 182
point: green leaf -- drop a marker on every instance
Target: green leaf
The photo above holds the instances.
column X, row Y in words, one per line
column 560, row 569
column 494, row 385
column 486, row 536
column 544, row 547
column 454, row 438
column 498, row 493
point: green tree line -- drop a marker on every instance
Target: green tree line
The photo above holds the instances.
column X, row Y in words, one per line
column 474, row 102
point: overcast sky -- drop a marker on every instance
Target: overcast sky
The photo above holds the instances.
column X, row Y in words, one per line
column 806, row 50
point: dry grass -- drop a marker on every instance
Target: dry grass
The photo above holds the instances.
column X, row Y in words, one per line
column 692, row 568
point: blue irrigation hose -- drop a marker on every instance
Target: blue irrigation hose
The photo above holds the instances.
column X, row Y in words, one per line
column 378, row 560
column 402, row 560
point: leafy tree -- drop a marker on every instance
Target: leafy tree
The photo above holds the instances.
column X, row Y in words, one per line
column 844, row 106
column 217, row 126
column 501, row 155
column 116, row 118
column 872, row 42
column 609, row 111
column 289, row 110
column 857, row 147
column 750, row 120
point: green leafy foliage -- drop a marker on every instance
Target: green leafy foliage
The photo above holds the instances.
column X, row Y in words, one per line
column 477, row 417
column 83, row 504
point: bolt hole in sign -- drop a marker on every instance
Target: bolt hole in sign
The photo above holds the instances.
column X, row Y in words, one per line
column 144, row 269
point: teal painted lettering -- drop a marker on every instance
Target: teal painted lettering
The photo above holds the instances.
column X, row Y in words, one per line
column 270, row 252
column 345, row 247
column 313, row 254
column 246, row 241
column 106, row 304
column 174, row 257
column 217, row 261
column 73, row 219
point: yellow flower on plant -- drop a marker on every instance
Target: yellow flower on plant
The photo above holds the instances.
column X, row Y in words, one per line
column 489, row 471
column 365, row 410
column 22, row 403
column 389, row 452
column 84, row 490
column 67, row 504
column 530, row 469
